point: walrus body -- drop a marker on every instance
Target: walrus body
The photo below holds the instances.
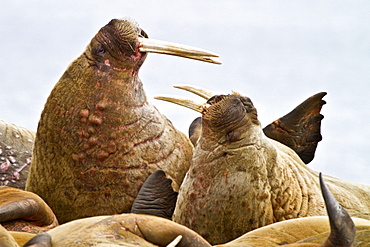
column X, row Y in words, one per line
column 241, row 180
column 98, row 138
column 302, row 232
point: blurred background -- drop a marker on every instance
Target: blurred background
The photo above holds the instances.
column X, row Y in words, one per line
column 276, row 52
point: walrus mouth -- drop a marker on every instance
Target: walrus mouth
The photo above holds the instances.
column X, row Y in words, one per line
column 169, row 48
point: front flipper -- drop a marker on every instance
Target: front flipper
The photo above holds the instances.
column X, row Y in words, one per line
column 194, row 130
column 156, row 196
column 40, row 240
column 300, row 129
column 25, row 211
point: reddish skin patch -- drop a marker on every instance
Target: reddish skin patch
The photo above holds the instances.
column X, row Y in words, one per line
column 107, row 193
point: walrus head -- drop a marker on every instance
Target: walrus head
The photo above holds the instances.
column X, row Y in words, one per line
column 230, row 115
column 116, row 45
column 226, row 119
column 122, row 44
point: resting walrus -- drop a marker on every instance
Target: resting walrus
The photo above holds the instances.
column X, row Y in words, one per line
column 15, row 154
column 241, row 180
column 98, row 138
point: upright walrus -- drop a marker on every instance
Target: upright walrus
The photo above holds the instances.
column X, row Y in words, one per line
column 241, row 180
column 98, row 138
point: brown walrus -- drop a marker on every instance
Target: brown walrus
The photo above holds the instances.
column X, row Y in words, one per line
column 98, row 138
column 241, row 180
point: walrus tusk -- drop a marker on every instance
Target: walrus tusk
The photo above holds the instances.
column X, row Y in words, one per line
column 191, row 104
column 175, row 241
column 169, row 48
column 202, row 92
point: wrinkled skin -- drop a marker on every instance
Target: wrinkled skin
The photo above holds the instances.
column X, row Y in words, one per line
column 241, row 180
column 98, row 138
column 15, row 154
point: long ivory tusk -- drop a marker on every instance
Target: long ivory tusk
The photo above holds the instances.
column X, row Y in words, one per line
column 191, row 104
column 169, row 48
column 202, row 92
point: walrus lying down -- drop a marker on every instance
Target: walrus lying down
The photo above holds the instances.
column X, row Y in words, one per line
column 146, row 230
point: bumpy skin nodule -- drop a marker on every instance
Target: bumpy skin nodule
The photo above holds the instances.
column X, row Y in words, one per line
column 98, row 138
column 241, row 180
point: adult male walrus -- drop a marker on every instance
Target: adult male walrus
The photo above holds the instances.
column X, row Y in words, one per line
column 98, row 138
column 241, row 180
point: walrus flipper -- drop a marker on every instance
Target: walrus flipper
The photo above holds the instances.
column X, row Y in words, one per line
column 21, row 210
column 301, row 128
column 342, row 228
column 195, row 129
column 40, row 240
column 156, row 196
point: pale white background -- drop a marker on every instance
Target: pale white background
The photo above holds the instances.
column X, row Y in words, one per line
column 276, row 52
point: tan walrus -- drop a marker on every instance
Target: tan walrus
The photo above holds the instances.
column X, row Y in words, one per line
column 98, row 138
column 241, row 180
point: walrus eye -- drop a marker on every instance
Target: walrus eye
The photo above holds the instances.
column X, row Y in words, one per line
column 100, row 51
column 233, row 136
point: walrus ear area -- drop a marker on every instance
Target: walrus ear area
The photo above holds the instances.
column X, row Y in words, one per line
column 156, row 196
column 250, row 109
column 42, row 239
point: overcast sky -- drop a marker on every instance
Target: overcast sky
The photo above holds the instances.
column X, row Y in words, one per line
column 276, row 52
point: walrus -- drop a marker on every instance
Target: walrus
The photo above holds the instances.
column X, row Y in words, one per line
column 241, row 180
column 15, row 154
column 98, row 137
